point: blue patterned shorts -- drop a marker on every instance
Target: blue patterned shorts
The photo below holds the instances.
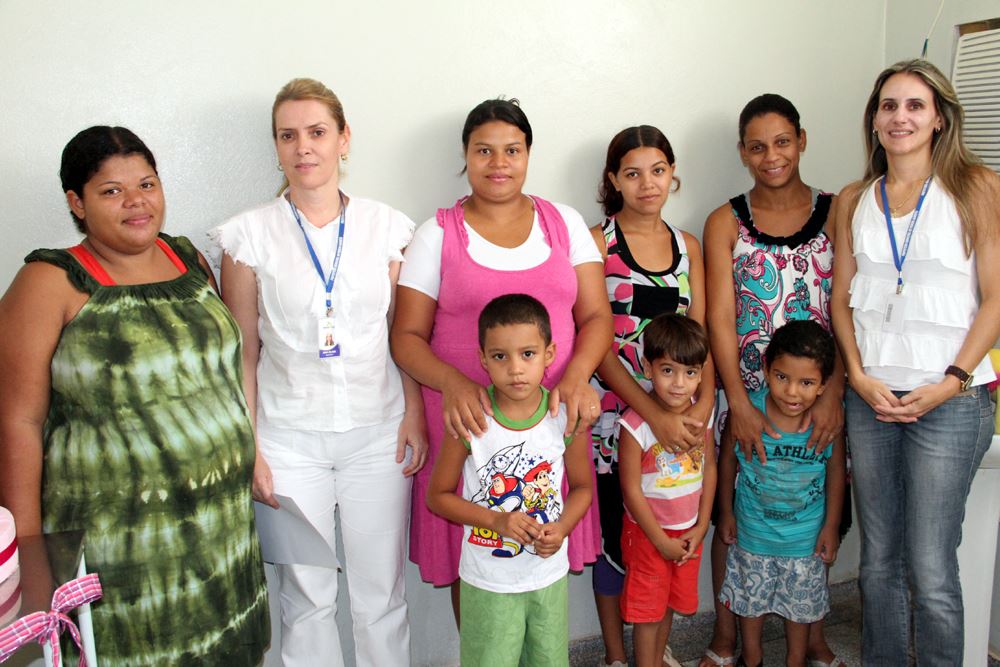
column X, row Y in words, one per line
column 793, row 588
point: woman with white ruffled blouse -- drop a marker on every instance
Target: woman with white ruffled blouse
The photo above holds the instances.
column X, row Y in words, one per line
column 311, row 279
column 916, row 307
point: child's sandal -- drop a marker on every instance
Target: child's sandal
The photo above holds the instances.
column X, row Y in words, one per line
column 836, row 662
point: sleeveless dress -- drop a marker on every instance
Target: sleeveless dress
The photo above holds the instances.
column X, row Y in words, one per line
column 636, row 296
column 466, row 287
column 777, row 279
column 148, row 447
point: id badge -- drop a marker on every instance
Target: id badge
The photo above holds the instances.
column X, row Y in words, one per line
column 895, row 313
column 328, row 345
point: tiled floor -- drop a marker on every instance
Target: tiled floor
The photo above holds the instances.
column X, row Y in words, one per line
column 691, row 635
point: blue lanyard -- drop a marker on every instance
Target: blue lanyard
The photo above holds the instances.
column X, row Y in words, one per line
column 898, row 258
column 327, row 280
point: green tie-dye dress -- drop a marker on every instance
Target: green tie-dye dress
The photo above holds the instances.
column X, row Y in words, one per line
column 149, row 449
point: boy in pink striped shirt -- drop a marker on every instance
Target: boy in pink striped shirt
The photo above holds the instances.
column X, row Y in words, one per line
column 668, row 493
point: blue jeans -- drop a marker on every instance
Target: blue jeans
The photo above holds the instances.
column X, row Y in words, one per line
column 911, row 482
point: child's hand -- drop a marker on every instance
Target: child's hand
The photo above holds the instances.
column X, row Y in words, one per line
column 550, row 538
column 828, row 543
column 726, row 527
column 517, row 526
column 671, row 548
column 692, row 540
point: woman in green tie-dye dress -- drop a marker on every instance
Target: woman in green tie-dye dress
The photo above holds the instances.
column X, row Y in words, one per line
column 146, row 442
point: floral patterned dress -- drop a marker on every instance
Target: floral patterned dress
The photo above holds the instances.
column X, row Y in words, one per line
column 636, row 296
column 777, row 279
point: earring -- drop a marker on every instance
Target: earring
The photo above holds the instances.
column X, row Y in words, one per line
column 280, row 168
column 343, row 157
column 937, row 130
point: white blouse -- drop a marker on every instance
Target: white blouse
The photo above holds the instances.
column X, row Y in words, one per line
column 297, row 389
column 422, row 270
column 940, row 285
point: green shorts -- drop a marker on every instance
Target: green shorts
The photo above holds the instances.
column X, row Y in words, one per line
column 511, row 629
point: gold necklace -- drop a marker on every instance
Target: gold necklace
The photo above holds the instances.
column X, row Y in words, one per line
column 894, row 209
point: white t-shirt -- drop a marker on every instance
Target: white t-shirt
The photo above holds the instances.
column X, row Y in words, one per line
column 515, row 466
column 422, row 270
column 296, row 389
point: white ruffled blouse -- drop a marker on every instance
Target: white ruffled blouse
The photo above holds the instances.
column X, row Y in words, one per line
column 295, row 388
column 941, row 290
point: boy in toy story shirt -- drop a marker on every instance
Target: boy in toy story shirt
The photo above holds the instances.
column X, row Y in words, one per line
column 514, row 563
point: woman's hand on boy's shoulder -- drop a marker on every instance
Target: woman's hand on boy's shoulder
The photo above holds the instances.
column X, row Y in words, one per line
column 828, row 543
column 747, row 425
column 583, row 405
column 677, row 432
column 550, row 538
column 465, row 406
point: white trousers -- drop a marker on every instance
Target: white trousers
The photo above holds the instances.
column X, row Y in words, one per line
column 357, row 472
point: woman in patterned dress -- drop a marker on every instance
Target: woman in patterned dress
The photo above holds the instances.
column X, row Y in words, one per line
column 769, row 259
column 650, row 267
column 123, row 415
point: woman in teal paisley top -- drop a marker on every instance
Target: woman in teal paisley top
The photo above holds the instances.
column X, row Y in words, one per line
column 122, row 415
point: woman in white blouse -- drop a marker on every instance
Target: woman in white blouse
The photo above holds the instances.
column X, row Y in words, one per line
column 916, row 307
column 311, row 279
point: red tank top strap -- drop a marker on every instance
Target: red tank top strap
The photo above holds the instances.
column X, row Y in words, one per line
column 172, row 256
column 97, row 272
column 91, row 265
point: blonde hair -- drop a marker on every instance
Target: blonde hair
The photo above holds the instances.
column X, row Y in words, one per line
column 308, row 89
column 959, row 171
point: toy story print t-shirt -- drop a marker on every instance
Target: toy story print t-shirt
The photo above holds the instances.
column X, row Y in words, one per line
column 515, row 466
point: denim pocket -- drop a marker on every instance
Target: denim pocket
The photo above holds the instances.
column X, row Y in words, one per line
column 987, row 405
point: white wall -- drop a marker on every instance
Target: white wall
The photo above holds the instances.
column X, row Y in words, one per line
column 196, row 79
column 908, row 21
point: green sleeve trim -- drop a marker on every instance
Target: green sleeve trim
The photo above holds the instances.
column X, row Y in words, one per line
column 77, row 275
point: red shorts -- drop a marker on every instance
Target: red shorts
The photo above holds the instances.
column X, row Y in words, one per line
column 652, row 583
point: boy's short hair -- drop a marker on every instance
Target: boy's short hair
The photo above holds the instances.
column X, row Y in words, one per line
column 514, row 309
column 671, row 335
column 803, row 338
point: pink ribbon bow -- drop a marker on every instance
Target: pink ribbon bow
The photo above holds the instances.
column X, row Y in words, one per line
column 46, row 626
